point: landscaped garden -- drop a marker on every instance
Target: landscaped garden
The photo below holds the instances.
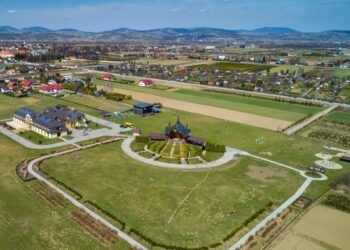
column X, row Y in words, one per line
column 144, row 197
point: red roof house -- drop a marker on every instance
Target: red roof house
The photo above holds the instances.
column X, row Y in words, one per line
column 27, row 84
column 107, row 77
column 145, row 82
column 52, row 88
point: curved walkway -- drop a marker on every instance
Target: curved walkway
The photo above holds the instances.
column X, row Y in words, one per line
column 76, row 203
column 126, row 147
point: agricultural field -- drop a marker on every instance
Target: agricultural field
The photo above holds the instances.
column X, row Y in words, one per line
column 291, row 68
column 235, row 66
column 98, row 103
column 152, row 194
column 321, row 228
column 27, row 220
column 270, row 108
column 182, row 63
column 345, row 95
column 341, row 73
column 333, row 128
column 339, row 116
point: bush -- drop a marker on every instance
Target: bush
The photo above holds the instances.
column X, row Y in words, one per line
column 143, row 139
column 215, row 147
column 338, row 202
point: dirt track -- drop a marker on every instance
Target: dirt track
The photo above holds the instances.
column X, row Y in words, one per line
column 225, row 114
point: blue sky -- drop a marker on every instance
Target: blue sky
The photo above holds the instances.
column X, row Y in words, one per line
column 98, row 15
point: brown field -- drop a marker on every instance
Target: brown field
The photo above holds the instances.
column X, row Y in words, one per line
column 265, row 173
column 320, row 228
column 183, row 63
column 225, row 114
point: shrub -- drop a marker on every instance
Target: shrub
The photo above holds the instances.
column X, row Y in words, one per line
column 143, row 139
column 338, row 201
column 215, row 147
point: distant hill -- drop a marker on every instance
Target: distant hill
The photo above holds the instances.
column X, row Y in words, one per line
column 275, row 30
column 8, row 29
column 204, row 34
column 36, row 29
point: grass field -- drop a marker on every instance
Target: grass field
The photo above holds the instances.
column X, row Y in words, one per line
column 283, row 111
column 291, row 68
column 345, row 94
column 235, row 66
column 341, row 73
column 145, row 197
column 28, row 221
column 339, row 116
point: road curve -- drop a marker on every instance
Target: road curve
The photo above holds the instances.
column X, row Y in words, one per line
column 120, row 233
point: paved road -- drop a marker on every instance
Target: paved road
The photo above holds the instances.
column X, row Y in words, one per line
column 315, row 101
column 273, row 215
column 112, row 130
column 292, row 130
column 76, row 203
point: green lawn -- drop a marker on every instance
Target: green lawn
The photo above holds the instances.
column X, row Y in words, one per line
column 339, row 116
column 38, row 139
column 292, row 68
column 145, row 197
column 345, row 94
column 283, row 111
column 341, row 73
column 27, row 220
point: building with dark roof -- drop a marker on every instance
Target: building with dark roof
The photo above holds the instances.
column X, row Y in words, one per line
column 143, row 109
column 40, row 123
column 180, row 132
column 71, row 117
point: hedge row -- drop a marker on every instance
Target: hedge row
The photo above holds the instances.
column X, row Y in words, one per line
column 122, row 223
column 247, row 221
column 338, row 201
column 157, row 244
column 143, row 139
column 157, row 146
column 215, row 147
column 67, row 187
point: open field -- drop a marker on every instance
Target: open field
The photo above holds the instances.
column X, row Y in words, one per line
column 152, row 194
column 27, row 220
column 345, row 95
column 183, row 63
column 225, row 114
column 235, row 66
column 341, row 73
column 291, row 68
column 261, row 107
column 99, row 103
column 339, row 116
column 320, row 228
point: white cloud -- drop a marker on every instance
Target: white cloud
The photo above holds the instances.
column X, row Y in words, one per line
column 176, row 10
column 11, row 11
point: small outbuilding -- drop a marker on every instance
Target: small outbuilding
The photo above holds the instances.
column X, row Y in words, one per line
column 345, row 157
column 143, row 109
column 317, row 168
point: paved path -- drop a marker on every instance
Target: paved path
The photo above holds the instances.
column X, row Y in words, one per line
column 227, row 157
column 295, row 128
column 76, row 203
column 273, row 215
column 112, row 130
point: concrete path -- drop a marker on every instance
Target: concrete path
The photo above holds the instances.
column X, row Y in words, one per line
column 126, row 147
column 76, row 203
column 295, row 128
column 273, row 215
column 112, row 130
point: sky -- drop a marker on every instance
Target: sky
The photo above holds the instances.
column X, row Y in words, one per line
column 101, row 15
